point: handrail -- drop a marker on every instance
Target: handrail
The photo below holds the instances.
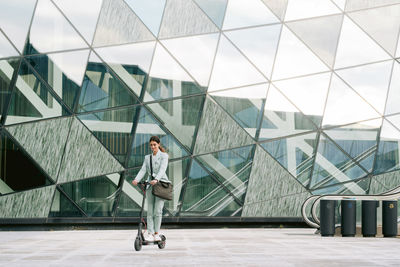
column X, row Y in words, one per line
column 393, row 194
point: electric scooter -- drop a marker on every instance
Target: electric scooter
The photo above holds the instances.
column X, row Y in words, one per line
column 140, row 241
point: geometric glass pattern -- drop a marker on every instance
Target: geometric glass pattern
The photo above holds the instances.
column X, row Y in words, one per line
column 286, row 98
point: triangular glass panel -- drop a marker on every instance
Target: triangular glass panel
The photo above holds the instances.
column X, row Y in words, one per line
column 215, row 9
column 6, row 48
column 292, row 54
column 296, row 154
column 231, row 167
column 63, row 207
column 181, row 117
column 230, row 61
column 245, row 13
column 113, row 129
column 359, row 187
column 393, row 99
column 203, row 195
column 182, row 17
column 301, row 9
column 345, row 106
column 216, row 130
column 320, row 34
column 361, row 4
column 308, row 94
column 127, row 207
column 282, row 118
column 370, row 81
column 147, row 127
column 277, row 6
column 168, row 79
column 340, row 3
column 130, row 62
column 63, row 72
column 195, row 53
column 150, row 12
column 7, row 70
column 356, row 48
column 14, row 177
column 332, row 166
column 395, row 120
column 16, row 26
column 358, row 140
column 384, row 28
column 119, row 25
column 95, row 196
column 50, row 31
column 101, row 89
column 244, row 104
column 84, row 22
column 32, row 100
column 387, row 158
column 258, row 44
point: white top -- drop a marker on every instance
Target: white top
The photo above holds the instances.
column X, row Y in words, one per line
column 160, row 164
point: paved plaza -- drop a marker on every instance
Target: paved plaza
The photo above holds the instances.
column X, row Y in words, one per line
column 196, row 247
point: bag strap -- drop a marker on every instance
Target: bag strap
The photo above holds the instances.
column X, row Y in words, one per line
column 151, row 166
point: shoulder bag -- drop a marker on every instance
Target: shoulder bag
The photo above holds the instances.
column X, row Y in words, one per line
column 161, row 189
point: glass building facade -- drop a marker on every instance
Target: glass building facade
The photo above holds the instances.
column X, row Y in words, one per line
column 259, row 103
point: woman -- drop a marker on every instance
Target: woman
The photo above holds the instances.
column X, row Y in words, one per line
column 154, row 204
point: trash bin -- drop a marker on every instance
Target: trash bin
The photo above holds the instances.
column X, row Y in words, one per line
column 327, row 217
column 389, row 218
column 368, row 217
column 348, row 209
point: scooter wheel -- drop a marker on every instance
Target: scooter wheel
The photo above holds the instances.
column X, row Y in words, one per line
column 161, row 244
column 138, row 244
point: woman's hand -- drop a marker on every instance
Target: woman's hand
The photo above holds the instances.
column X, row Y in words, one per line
column 153, row 182
column 134, row 182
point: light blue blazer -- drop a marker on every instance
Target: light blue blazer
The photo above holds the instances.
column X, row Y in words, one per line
column 160, row 164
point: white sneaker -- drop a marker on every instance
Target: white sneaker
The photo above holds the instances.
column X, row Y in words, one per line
column 157, row 237
column 147, row 236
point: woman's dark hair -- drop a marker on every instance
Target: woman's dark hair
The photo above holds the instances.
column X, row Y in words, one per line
column 157, row 140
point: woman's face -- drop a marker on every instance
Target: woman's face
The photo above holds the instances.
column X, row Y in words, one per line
column 154, row 146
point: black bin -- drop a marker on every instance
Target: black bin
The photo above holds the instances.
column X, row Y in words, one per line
column 389, row 218
column 368, row 217
column 327, row 217
column 348, row 221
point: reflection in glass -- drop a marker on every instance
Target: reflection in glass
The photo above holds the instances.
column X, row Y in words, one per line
column 300, row 9
column 231, row 167
column 113, row 129
column 281, row 118
column 15, row 17
column 168, row 79
column 244, row 104
column 7, row 69
column 359, row 187
column 31, row 99
column 195, row 53
column 296, row 154
column 50, row 31
column 63, row 72
column 356, row 48
column 101, row 89
column 333, row 166
column 204, row 197
column 18, row 171
column 215, row 9
column 130, row 62
column 370, row 81
column 6, row 49
column 95, row 196
column 232, row 69
column 180, row 117
column 258, row 44
column 388, row 157
column 358, row 140
column 244, row 13
column 345, row 106
column 393, row 99
column 147, row 127
column 63, row 207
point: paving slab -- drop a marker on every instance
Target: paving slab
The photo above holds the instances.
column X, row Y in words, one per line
column 196, row 247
